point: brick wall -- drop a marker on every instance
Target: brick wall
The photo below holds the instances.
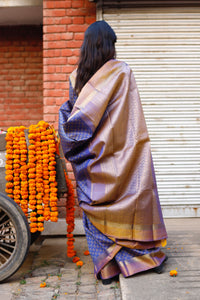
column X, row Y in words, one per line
column 21, row 99
column 64, row 24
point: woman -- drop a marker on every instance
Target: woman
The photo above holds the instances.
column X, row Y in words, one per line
column 104, row 135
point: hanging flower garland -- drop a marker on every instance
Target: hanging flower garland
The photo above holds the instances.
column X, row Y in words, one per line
column 31, row 177
column 31, row 173
column 70, row 217
column 16, row 167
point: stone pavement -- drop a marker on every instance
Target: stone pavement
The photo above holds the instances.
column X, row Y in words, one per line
column 47, row 262
column 183, row 250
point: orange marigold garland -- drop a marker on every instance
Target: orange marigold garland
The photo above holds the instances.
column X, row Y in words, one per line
column 31, row 173
column 70, row 217
column 9, row 162
column 22, row 151
column 16, row 168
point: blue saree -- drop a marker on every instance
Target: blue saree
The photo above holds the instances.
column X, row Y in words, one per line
column 103, row 134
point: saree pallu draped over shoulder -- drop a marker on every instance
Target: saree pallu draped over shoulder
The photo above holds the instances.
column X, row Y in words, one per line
column 104, row 135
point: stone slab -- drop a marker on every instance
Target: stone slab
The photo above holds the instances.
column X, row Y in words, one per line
column 184, row 255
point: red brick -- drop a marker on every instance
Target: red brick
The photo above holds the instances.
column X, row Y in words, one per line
column 49, row 118
column 33, row 60
column 77, row 12
column 90, row 5
column 78, row 20
column 52, row 53
column 58, row 36
column 55, row 45
column 16, row 60
column 16, row 82
column 77, row 28
column 54, row 28
column 32, row 94
column 65, row 20
column 4, row 60
column 49, row 69
column 3, row 94
column 73, row 60
column 33, row 71
column 49, row 85
column 55, row 77
column 60, row 85
column 66, row 52
column 59, row 69
column 51, row 109
column 77, row 3
column 16, row 94
column 79, row 36
column 63, row 4
column 50, row 21
column 74, row 44
column 67, row 69
column 54, row 12
column 53, row 93
column 90, row 19
column 55, row 60
column 57, row 4
column 49, row 101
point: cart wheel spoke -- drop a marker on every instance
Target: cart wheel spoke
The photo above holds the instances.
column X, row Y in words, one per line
column 2, row 215
column 3, row 259
column 7, row 245
column 14, row 237
column 7, row 238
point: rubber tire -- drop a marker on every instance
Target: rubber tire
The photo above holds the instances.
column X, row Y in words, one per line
column 23, row 237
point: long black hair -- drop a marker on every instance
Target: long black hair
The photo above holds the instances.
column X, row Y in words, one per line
column 98, row 47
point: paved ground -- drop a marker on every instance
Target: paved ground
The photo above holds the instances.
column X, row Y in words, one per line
column 183, row 250
column 64, row 280
column 48, row 261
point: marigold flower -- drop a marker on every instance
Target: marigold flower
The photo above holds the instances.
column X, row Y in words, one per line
column 54, row 214
column 79, row 263
column 9, row 172
column 173, row 273
column 9, row 185
column 54, row 219
column 32, row 202
column 75, row 259
column 33, row 214
column 32, row 207
column 8, row 167
column 43, row 284
column 71, row 253
column 33, row 225
column 9, row 177
column 54, row 208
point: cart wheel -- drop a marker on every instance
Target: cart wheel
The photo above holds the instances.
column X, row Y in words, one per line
column 14, row 237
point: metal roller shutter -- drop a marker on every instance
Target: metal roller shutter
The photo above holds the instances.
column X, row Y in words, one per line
column 162, row 46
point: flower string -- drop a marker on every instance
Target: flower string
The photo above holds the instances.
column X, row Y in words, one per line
column 16, row 168
column 70, row 216
column 31, row 173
